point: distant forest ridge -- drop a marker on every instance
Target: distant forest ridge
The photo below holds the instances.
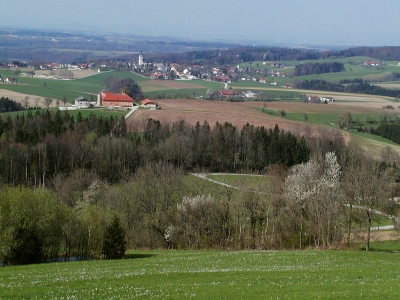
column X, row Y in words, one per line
column 31, row 45
column 249, row 54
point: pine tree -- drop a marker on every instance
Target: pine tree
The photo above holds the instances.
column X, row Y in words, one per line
column 114, row 242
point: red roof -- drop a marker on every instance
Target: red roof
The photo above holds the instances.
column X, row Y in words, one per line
column 147, row 101
column 108, row 96
column 229, row 93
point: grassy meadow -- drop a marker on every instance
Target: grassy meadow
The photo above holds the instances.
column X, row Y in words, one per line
column 171, row 274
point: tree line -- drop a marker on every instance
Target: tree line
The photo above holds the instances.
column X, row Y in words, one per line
column 358, row 87
column 9, row 105
column 71, row 186
column 385, row 130
column 317, row 68
column 37, row 147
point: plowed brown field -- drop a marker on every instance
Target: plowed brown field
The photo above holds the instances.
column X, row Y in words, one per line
column 193, row 111
column 239, row 114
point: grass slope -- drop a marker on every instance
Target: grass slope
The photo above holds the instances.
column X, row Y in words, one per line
column 212, row 275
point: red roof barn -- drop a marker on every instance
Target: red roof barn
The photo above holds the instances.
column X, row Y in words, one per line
column 112, row 99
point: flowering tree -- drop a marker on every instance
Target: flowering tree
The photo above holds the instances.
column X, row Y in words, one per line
column 314, row 194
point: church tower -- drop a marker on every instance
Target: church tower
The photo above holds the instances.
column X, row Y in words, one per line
column 140, row 61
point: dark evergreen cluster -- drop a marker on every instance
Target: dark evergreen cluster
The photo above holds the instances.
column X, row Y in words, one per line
column 382, row 53
column 386, row 130
column 8, row 105
column 357, row 88
column 34, row 148
column 318, row 68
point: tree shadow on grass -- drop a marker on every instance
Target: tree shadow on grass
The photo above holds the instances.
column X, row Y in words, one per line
column 139, row 255
column 383, row 246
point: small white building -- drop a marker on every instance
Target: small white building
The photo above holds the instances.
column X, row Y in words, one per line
column 82, row 102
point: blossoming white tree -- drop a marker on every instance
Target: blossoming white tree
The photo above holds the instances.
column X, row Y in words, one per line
column 314, row 193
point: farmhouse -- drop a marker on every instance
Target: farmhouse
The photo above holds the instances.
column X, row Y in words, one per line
column 314, row 98
column 249, row 94
column 223, row 78
column 371, row 63
column 109, row 99
column 228, row 93
column 82, row 102
column 147, row 103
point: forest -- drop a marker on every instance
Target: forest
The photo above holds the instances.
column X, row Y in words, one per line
column 66, row 181
column 358, row 87
column 317, row 68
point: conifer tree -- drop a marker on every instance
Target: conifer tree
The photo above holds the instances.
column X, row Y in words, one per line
column 114, row 242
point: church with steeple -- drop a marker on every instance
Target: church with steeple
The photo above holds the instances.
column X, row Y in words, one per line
column 140, row 60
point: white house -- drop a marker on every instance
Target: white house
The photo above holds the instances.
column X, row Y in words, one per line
column 81, row 102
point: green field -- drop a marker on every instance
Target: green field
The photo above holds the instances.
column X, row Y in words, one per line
column 72, row 89
column 213, row 275
column 352, row 71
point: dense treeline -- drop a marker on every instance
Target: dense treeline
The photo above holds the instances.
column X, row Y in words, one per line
column 235, row 55
column 388, row 76
column 317, row 68
column 386, row 130
column 358, row 87
column 8, row 105
column 36, row 148
column 381, row 53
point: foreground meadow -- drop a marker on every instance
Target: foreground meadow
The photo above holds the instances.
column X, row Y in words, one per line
column 211, row 275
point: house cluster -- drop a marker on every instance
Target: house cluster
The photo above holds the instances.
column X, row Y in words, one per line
column 371, row 63
column 169, row 71
column 274, row 64
column 224, row 74
column 228, row 93
column 317, row 99
column 8, row 80
column 56, row 66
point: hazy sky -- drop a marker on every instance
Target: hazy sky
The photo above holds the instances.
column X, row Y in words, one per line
column 346, row 22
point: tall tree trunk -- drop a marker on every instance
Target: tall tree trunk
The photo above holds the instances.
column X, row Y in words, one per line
column 368, row 229
column 350, row 220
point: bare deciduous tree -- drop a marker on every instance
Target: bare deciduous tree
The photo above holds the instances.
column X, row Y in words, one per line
column 47, row 102
column 26, row 102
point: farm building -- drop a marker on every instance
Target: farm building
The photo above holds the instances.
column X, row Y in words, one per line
column 10, row 80
column 112, row 99
column 82, row 102
column 223, row 78
column 228, row 93
column 314, row 98
column 148, row 103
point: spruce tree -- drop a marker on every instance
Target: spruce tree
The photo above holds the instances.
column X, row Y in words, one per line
column 114, row 242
